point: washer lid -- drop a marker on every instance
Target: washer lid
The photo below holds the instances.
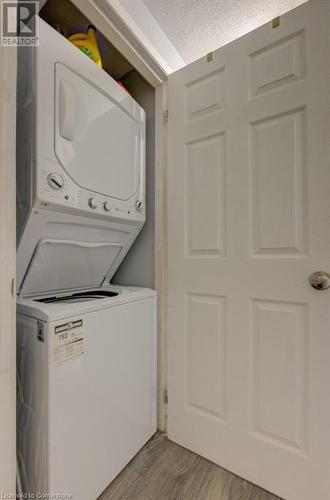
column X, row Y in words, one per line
column 59, row 265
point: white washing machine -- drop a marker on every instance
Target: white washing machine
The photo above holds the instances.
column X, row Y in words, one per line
column 87, row 387
column 86, row 349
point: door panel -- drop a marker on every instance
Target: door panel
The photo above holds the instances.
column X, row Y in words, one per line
column 278, row 184
column 205, row 366
column 248, row 222
column 278, row 378
column 204, row 180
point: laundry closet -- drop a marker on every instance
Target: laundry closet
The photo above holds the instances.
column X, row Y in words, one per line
column 87, row 339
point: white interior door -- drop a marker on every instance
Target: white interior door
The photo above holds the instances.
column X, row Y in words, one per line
column 248, row 222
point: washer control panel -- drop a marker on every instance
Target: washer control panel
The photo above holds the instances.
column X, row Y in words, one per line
column 57, row 190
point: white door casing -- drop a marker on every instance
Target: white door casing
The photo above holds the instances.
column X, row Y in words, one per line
column 248, row 208
column 7, row 273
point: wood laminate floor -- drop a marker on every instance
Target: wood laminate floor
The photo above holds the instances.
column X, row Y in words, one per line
column 165, row 471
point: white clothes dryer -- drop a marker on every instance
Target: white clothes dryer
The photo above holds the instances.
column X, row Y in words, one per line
column 80, row 152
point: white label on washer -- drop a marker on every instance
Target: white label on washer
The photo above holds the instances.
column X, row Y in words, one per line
column 68, row 341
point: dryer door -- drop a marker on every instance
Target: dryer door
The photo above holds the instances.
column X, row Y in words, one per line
column 97, row 141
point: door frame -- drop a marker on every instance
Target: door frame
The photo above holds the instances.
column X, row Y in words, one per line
column 7, row 271
column 160, row 268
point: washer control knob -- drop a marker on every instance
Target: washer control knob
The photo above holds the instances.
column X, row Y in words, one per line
column 92, row 203
column 55, row 181
column 107, row 206
column 139, row 205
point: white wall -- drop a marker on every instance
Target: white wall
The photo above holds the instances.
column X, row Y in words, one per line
column 7, row 270
column 138, row 266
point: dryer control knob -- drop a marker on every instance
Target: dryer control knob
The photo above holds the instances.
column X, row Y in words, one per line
column 55, row 181
column 139, row 205
column 107, row 206
column 92, row 203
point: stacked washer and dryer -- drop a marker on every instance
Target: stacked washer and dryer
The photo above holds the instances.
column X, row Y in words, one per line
column 86, row 348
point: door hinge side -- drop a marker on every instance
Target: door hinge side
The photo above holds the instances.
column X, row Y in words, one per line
column 165, row 117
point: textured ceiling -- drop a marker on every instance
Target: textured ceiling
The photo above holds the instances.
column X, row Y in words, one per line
column 196, row 27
